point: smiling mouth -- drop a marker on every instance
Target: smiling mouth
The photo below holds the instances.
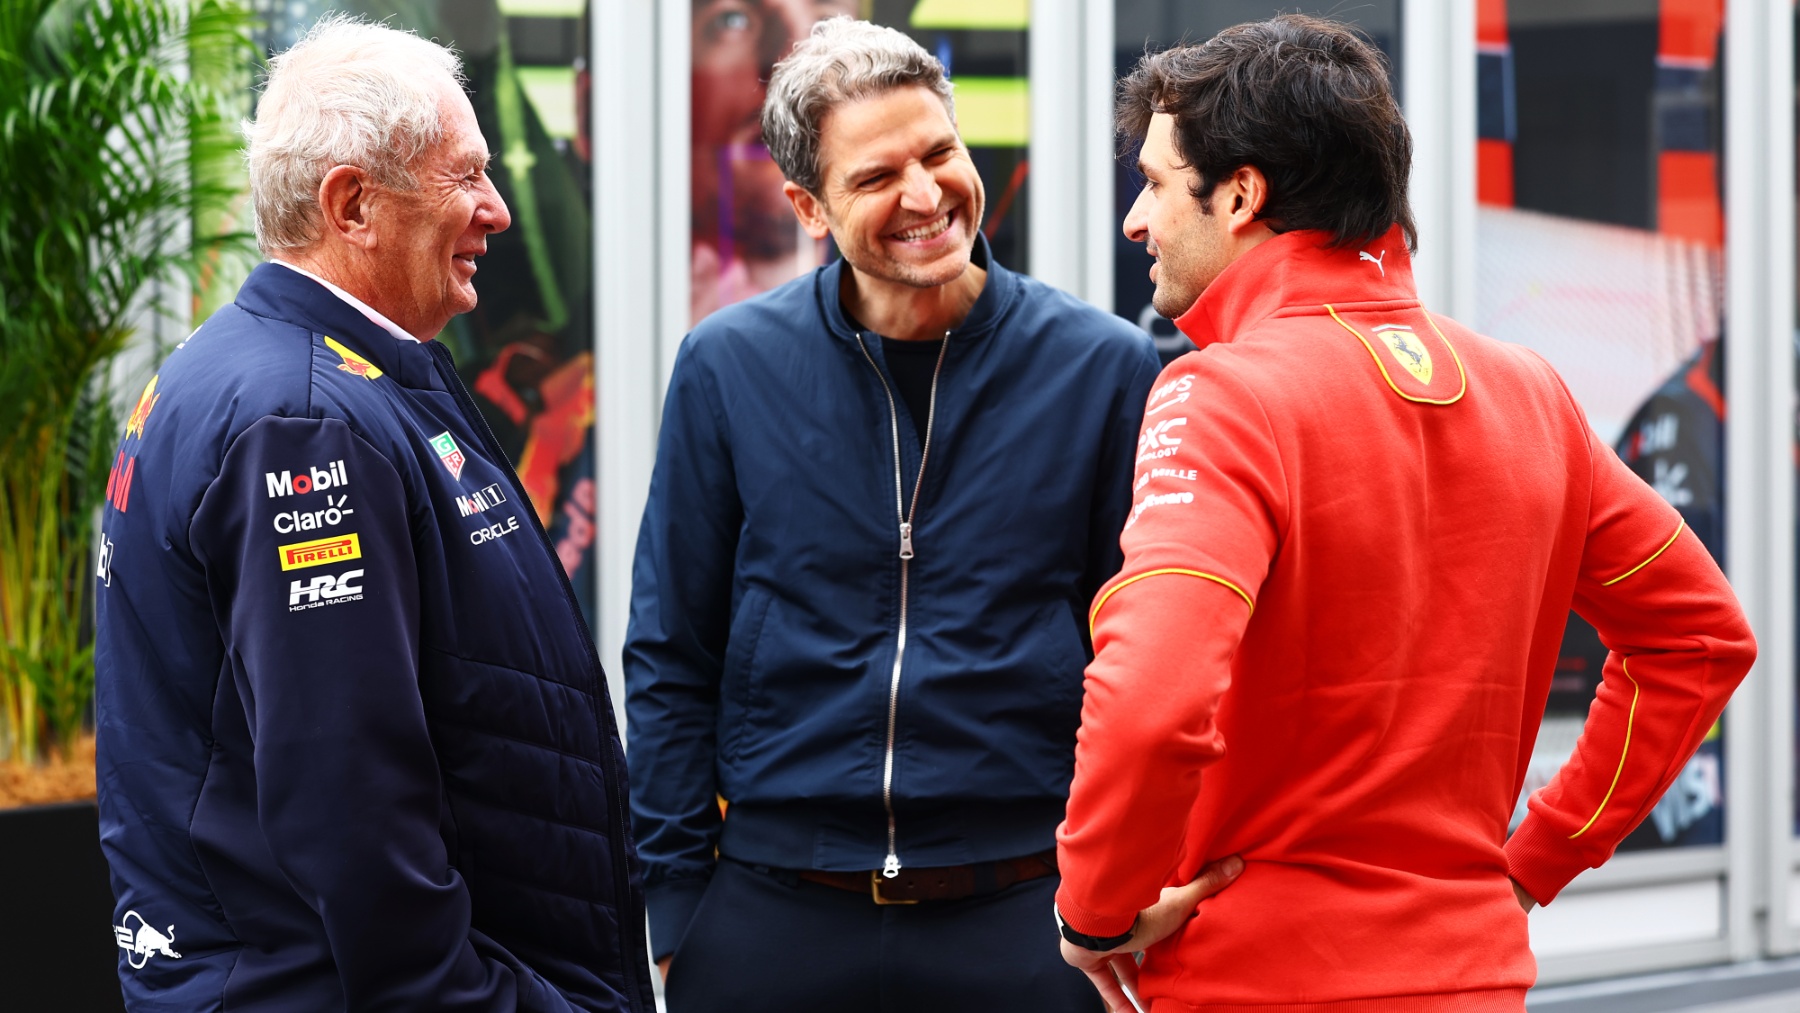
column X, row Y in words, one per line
column 929, row 230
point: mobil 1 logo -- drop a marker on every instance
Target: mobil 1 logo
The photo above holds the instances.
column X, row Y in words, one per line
column 480, row 501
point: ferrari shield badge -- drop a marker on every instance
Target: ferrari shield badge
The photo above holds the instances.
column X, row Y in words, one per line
column 1416, row 345
column 1407, row 350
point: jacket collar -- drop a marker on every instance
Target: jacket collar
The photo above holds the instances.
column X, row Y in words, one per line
column 276, row 292
column 1298, row 269
column 996, row 297
column 364, row 308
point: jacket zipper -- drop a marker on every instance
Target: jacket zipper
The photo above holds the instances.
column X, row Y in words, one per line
column 629, row 942
column 905, row 514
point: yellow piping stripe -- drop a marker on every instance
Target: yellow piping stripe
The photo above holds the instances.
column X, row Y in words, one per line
column 1094, row 614
column 1460, row 372
column 1652, row 558
column 1624, row 663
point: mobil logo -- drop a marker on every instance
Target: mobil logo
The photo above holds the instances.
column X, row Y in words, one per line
column 332, row 476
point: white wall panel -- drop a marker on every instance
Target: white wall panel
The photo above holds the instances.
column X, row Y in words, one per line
column 1621, row 919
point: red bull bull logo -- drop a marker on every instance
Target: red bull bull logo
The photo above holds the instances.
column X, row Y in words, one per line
column 353, row 363
column 134, row 426
column 141, row 942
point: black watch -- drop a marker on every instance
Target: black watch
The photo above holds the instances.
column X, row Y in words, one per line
column 1096, row 943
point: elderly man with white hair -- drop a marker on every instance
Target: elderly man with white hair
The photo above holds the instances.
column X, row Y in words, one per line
column 355, row 746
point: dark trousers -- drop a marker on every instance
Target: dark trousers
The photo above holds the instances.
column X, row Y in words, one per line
column 766, row 940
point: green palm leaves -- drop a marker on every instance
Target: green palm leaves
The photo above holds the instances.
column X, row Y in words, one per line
column 116, row 155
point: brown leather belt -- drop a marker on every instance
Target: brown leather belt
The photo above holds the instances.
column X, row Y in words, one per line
column 950, row 882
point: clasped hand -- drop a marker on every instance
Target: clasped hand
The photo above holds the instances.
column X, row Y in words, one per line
column 1115, row 972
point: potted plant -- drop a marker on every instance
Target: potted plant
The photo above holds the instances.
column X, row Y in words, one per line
column 116, row 138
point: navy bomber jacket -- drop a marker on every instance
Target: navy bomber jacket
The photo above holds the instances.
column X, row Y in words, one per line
column 355, row 746
column 764, row 661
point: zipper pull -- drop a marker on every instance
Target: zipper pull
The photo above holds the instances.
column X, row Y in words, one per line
column 906, row 552
column 890, row 868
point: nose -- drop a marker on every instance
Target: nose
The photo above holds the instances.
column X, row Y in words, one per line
column 1137, row 220
column 491, row 214
column 919, row 191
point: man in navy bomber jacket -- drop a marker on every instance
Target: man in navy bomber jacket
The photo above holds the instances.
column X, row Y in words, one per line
column 355, row 747
column 884, row 496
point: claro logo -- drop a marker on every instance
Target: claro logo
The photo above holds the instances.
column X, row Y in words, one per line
column 332, row 476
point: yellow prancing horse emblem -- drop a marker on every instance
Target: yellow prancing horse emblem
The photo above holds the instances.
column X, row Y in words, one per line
column 1407, row 349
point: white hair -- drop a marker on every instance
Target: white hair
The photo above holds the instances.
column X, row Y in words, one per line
column 350, row 93
column 843, row 60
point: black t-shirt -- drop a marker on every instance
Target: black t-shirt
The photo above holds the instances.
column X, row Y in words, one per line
column 911, row 364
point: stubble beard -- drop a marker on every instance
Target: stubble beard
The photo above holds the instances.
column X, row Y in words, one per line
column 876, row 262
column 1172, row 298
column 880, row 264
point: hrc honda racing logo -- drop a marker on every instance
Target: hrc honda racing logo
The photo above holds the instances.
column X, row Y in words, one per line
column 325, row 589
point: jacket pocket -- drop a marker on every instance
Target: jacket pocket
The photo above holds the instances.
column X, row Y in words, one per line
column 738, row 692
column 1061, row 669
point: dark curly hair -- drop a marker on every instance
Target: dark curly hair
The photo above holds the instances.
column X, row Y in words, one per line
column 1304, row 100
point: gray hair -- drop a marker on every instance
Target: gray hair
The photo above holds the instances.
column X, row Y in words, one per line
column 844, row 60
column 350, row 93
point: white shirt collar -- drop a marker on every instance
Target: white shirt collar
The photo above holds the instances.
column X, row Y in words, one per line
column 360, row 306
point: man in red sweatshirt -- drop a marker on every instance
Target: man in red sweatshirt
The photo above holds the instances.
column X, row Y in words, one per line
column 1357, row 532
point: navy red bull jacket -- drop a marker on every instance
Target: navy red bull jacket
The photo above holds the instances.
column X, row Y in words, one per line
column 355, row 746
column 777, row 634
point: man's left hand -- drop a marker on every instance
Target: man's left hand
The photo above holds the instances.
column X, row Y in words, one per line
column 1115, row 971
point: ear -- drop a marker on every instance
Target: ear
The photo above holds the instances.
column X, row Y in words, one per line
column 808, row 208
column 1240, row 197
column 344, row 198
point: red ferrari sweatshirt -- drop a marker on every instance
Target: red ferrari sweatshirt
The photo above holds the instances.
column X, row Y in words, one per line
column 1358, row 530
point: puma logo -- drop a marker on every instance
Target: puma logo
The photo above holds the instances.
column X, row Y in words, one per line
column 1375, row 260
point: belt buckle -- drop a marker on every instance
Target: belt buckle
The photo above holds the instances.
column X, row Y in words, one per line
column 875, row 891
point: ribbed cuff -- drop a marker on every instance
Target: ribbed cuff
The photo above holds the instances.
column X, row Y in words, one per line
column 1089, row 922
column 1541, row 860
column 671, row 905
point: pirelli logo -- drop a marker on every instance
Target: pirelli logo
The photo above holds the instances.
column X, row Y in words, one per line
column 320, row 551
